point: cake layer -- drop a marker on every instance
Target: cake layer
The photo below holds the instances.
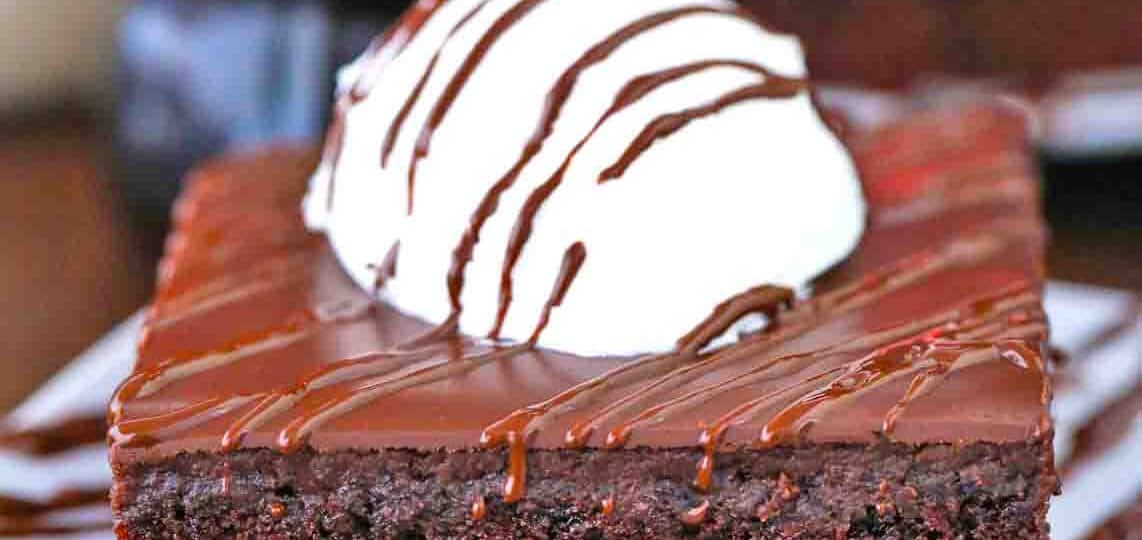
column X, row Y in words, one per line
column 881, row 490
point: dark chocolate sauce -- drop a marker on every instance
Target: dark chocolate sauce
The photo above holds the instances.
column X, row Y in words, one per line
column 444, row 103
column 557, row 98
column 383, row 49
column 629, row 95
column 398, row 123
column 572, row 263
column 388, row 267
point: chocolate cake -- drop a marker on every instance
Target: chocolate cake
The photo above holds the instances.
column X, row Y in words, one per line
column 907, row 397
column 904, row 393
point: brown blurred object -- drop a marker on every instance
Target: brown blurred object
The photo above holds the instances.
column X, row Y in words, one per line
column 891, row 43
column 68, row 269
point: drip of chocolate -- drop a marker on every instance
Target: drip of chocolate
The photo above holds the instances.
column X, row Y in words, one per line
column 398, row 123
column 479, row 508
column 572, row 263
column 628, row 96
column 695, row 516
column 459, row 80
column 770, row 87
column 607, row 507
column 395, row 39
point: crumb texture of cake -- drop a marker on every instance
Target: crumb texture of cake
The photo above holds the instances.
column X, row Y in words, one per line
column 881, row 490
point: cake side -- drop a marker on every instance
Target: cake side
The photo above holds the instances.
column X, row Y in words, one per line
column 885, row 490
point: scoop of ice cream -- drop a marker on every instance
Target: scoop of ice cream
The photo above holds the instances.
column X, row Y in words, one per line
column 590, row 175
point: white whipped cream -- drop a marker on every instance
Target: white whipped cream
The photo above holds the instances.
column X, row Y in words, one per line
column 759, row 193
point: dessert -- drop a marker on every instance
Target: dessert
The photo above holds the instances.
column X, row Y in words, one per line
column 504, row 386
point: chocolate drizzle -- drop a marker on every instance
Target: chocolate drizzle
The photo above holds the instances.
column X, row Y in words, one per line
column 630, row 94
column 56, row 438
column 388, row 268
column 459, row 80
column 923, row 305
column 557, row 97
column 395, row 126
column 572, row 263
column 381, row 51
column 772, row 88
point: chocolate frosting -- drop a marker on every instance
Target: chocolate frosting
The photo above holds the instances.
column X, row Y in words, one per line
column 930, row 332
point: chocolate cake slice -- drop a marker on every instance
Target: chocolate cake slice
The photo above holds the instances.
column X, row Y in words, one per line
column 906, row 397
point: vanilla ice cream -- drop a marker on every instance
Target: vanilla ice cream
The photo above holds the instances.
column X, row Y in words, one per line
column 625, row 166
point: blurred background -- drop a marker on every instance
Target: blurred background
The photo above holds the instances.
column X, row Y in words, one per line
column 104, row 104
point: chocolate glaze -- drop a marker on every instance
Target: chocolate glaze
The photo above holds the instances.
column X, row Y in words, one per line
column 388, row 267
column 931, row 331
